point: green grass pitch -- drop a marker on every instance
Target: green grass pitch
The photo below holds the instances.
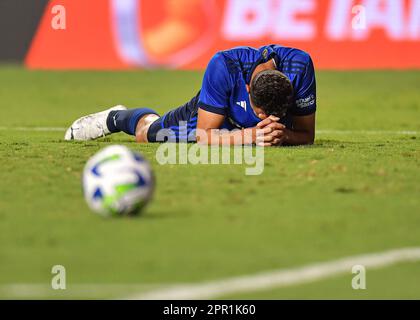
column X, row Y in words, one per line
column 352, row 192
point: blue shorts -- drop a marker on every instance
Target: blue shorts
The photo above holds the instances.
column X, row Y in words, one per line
column 176, row 125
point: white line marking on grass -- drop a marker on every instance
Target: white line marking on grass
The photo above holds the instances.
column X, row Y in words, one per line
column 218, row 288
column 280, row 278
column 320, row 131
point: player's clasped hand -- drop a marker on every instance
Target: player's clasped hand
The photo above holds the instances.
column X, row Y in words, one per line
column 273, row 132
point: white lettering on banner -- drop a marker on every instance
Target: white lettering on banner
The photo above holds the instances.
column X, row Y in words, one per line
column 253, row 19
column 286, row 26
column 246, row 19
column 385, row 14
column 337, row 26
column 414, row 23
column 282, row 19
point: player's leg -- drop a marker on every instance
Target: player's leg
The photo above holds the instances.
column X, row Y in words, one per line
column 134, row 122
column 143, row 126
column 177, row 125
column 143, row 123
column 92, row 126
column 113, row 120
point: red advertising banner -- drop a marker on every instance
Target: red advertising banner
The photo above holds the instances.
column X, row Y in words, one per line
column 184, row 34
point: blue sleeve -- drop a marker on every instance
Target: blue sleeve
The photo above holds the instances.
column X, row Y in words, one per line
column 305, row 93
column 216, row 87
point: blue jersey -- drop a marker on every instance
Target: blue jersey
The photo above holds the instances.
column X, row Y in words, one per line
column 223, row 90
column 224, row 85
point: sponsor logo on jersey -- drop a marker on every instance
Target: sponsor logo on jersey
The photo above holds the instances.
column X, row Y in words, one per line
column 306, row 102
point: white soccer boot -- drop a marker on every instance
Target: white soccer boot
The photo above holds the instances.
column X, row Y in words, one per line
column 91, row 127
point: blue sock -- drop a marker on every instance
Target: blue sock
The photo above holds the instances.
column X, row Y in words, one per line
column 126, row 120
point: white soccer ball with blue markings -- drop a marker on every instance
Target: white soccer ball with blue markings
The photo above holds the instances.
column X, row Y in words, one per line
column 117, row 182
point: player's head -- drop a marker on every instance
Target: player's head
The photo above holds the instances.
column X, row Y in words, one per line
column 271, row 93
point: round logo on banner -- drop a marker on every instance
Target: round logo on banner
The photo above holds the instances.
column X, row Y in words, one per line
column 169, row 33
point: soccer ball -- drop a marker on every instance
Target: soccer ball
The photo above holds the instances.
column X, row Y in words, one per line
column 117, row 182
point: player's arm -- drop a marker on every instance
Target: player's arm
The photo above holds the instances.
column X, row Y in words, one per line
column 303, row 131
column 213, row 102
column 208, row 132
column 303, row 113
column 212, row 109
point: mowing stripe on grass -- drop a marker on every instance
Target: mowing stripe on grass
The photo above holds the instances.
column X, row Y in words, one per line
column 367, row 132
column 320, row 131
column 280, row 278
column 33, row 129
column 86, row 290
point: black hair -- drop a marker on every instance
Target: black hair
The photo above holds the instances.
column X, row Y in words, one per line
column 272, row 91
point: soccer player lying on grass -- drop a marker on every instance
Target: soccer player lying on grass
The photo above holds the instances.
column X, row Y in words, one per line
column 271, row 88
